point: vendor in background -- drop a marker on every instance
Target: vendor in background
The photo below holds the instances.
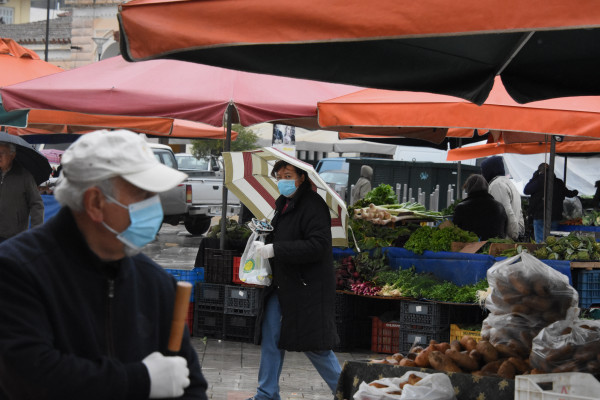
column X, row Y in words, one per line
column 363, row 184
column 596, row 198
column 479, row 212
column 536, row 188
column 504, row 191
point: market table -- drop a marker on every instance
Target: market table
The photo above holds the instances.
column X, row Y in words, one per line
column 466, row 386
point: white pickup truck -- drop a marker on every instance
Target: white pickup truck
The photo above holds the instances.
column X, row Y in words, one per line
column 199, row 198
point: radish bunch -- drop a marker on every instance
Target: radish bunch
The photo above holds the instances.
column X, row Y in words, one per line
column 346, row 274
column 365, row 288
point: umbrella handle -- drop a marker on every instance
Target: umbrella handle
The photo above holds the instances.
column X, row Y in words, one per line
column 180, row 310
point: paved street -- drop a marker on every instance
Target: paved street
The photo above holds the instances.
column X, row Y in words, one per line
column 231, row 368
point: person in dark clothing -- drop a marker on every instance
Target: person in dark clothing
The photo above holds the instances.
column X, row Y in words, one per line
column 299, row 306
column 84, row 314
column 536, row 188
column 479, row 212
column 596, row 198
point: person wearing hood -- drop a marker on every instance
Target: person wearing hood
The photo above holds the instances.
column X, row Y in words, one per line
column 504, row 191
column 479, row 212
column 536, row 188
column 363, row 185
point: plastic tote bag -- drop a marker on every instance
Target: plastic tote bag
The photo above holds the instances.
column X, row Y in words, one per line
column 254, row 269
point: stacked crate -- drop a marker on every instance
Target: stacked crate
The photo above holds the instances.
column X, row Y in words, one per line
column 421, row 322
column 218, row 265
column 242, row 304
column 344, row 319
column 192, row 276
column 227, row 311
column 210, row 305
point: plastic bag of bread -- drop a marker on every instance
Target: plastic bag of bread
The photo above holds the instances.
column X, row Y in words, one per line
column 568, row 346
column 526, row 296
column 413, row 385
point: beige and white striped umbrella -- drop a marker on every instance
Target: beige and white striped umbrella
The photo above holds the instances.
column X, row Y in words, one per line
column 247, row 175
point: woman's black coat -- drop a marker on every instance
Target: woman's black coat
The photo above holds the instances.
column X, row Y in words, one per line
column 303, row 274
column 482, row 215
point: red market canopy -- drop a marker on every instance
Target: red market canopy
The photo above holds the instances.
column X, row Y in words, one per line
column 174, row 89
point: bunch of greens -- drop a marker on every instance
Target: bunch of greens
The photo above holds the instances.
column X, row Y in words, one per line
column 369, row 265
column 408, row 283
column 233, row 231
column 437, row 239
column 382, row 194
column 572, row 247
column 369, row 236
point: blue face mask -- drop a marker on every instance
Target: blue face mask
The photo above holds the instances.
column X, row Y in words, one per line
column 286, row 187
column 146, row 218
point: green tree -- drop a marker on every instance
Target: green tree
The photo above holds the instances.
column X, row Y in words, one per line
column 246, row 140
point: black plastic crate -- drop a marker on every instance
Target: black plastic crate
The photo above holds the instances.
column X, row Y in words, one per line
column 344, row 331
column 344, row 304
column 210, row 297
column 208, row 323
column 242, row 300
column 218, row 265
column 410, row 337
column 239, row 328
column 425, row 314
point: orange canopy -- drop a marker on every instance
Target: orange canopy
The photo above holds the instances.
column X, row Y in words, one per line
column 19, row 64
column 577, row 116
column 541, row 48
column 50, row 121
column 523, row 143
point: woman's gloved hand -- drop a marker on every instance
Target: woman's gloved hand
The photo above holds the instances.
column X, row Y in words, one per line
column 264, row 250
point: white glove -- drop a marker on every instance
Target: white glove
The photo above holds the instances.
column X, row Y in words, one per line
column 263, row 250
column 168, row 375
column 258, row 245
column 267, row 251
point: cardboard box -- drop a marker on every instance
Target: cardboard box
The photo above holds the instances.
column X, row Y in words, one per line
column 496, row 249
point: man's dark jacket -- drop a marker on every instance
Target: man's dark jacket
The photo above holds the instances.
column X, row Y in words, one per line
column 303, row 273
column 74, row 327
column 482, row 215
column 536, row 187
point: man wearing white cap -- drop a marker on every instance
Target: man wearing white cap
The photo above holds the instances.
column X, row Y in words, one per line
column 83, row 314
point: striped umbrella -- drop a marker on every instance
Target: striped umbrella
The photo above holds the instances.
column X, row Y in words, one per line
column 247, row 175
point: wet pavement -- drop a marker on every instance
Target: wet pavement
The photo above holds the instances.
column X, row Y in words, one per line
column 231, row 368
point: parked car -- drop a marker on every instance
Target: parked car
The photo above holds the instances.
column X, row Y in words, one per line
column 199, row 197
column 194, row 166
column 337, row 180
column 332, row 163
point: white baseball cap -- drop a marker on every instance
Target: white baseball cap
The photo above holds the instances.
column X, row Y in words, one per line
column 105, row 154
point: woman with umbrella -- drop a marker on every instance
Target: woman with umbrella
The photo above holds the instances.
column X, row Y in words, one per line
column 19, row 195
column 299, row 307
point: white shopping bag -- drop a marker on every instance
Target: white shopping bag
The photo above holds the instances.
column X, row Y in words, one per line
column 254, row 269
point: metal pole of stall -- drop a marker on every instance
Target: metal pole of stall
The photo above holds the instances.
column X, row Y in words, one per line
column 549, row 189
column 47, row 30
column 565, row 171
column 458, row 175
column 226, row 147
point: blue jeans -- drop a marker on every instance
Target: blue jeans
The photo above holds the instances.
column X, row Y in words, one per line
column 538, row 229
column 271, row 357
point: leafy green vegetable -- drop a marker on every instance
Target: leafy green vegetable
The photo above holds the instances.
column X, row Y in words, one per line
column 233, row 231
column 435, row 239
column 426, row 286
column 382, row 194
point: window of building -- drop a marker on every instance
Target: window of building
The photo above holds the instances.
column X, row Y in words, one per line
column 6, row 15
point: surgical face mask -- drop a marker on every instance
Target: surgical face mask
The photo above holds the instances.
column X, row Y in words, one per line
column 146, row 217
column 286, row 187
